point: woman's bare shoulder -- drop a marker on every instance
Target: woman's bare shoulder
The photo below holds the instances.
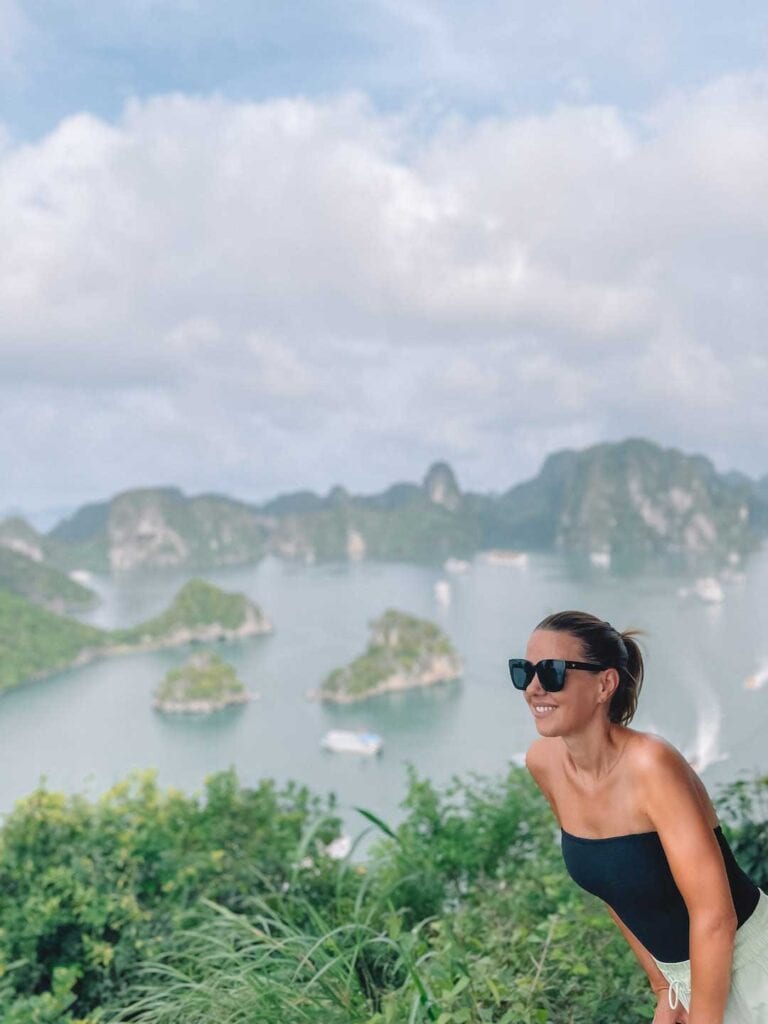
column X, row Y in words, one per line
column 541, row 760
column 649, row 752
column 658, row 765
column 542, row 755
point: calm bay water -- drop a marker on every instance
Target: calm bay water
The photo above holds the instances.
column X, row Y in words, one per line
column 84, row 730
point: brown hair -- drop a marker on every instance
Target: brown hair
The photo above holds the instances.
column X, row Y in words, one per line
column 604, row 644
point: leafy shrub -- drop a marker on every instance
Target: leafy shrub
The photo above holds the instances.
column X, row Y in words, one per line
column 97, row 886
column 743, row 807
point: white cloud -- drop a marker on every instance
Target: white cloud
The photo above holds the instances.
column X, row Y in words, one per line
column 205, row 276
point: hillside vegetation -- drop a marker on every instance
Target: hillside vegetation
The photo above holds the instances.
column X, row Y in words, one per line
column 41, row 583
column 35, row 642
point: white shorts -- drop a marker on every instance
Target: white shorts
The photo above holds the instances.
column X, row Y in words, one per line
column 748, row 998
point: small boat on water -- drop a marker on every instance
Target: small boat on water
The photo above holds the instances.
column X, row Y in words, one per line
column 707, row 589
column 600, row 559
column 345, row 741
column 511, row 559
column 456, row 565
column 757, row 680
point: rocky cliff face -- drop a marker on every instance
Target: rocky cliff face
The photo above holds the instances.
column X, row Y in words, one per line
column 441, row 487
column 160, row 528
column 140, row 531
column 636, row 496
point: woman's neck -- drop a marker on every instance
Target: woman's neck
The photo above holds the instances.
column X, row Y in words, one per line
column 593, row 753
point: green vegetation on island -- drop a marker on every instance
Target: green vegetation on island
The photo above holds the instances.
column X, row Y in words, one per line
column 204, row 683
column 403, row 652
column 35, row 642
column 160, row 908
column 200, row 611
column 41, row 583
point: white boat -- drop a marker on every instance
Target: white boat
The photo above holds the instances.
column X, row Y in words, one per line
column 81, row 576
column 443, row 593
column 456, row 565
column 708, row 589
column 500, row 556
column 601, row 559
column 757, row 680
column 345, row 741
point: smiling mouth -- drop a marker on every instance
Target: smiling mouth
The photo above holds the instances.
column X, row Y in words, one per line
column 543, row 709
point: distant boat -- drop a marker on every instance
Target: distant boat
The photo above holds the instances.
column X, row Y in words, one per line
column 456, row 565
column 707, row 589
column 443, row 593
column 500, row 556
column 344, row 741
column 758, row 680
column 602, row 559
column 81, row 576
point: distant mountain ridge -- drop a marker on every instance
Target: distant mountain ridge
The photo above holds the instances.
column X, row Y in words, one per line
column 628, row 497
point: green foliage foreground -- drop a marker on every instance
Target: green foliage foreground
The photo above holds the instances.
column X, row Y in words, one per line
column 158, row 907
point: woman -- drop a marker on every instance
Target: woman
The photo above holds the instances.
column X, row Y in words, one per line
column 638, row 828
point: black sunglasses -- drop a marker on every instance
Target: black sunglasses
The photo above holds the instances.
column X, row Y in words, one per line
column 551, row 672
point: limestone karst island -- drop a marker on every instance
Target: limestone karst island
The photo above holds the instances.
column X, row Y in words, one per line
column 403, row 653
column 203, row 684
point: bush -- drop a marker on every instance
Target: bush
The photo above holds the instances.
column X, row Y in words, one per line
column 94, row 887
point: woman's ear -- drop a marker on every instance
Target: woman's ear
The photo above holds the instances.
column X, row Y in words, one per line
column 609, row 684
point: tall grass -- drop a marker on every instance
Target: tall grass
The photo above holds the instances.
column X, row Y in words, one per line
column 285, row 960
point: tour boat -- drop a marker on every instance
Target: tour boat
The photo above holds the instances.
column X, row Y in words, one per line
column 513, row 559
column 708, row 589
column 345, row 741
column 456, row 565
column 758, row 680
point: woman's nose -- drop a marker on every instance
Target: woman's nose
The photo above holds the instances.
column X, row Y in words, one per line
column 535, row 686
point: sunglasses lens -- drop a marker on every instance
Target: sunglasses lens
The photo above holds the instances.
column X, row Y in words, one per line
column 521, row 673
column 552, row 674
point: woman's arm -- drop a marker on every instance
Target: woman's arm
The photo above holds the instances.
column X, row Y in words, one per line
column 656, row 979
column 675, row 806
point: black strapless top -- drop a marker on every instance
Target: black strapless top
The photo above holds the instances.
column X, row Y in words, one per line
column 632, row 874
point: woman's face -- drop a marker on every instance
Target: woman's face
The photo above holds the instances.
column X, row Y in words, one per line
column 584, row 695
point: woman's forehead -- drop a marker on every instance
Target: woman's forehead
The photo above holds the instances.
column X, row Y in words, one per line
column 547, row 643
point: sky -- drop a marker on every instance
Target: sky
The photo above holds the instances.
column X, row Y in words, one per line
column 259, row 247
